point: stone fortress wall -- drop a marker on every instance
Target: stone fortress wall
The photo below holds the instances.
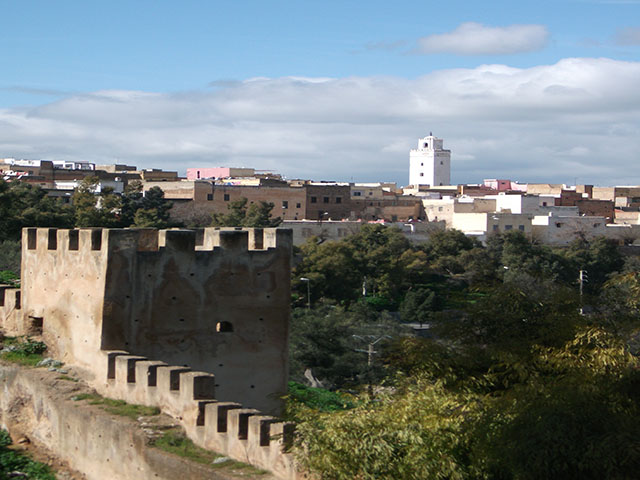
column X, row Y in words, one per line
column 209, row 308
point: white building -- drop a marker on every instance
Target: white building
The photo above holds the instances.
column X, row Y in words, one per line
column 69, row 165
column 430, row 164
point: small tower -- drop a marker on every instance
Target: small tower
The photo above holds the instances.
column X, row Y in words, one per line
column 430, row 164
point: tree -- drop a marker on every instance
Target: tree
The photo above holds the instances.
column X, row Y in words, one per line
column 321, row 340
column 144, row 210
column 378, row 253
column 23, row 205
column 600, row 257
column 417, row 431
column 131, row 202
column 256, row 215
column 575, row 415
column 449, row 243
column 10, row 254
column 418, row 305
column 153, row 210
column 93, row 210
column 377, row 261
column 332, row 270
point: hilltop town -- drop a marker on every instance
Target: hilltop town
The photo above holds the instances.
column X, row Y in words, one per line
column 483, row 305
column 550, row 213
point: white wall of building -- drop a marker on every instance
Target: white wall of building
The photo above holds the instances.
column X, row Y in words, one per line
column 557, row 230
column 430, row 164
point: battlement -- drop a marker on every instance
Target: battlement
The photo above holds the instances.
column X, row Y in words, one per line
column 39, row 240
column 212, row 297
column 243, row 434
column 11, row 312
column 198, row 301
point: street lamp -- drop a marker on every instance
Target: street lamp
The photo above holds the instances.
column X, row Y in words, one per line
column 308, row 282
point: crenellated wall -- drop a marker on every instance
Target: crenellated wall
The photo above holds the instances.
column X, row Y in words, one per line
column 63, row 285
column 211, row 306
column 229, row 428
column 215, row 300
column 11, row 317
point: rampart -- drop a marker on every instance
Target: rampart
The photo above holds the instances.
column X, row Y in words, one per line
column 209, row 307
column 244, row 434
column 215, row 300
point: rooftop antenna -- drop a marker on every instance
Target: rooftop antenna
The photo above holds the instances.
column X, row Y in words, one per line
column 431, row 134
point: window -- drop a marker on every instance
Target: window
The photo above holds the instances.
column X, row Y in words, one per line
column 224, row 327
column 508, row 227
column 521, row 228
column 495, row 228
column 285, row 204
column 558, row 224
column 596, row 225
column 209, row 196
column 298, row 205
column 422, row 164
column 198, row 173
column 314, row 200
column 357, row 194
column 439, row 209
column 421, row 174
column 226, row 197
column 338, row 199
column 441, row 163
column 36, row 325
column 370, row 193
column 325, row 199
column 426, row 145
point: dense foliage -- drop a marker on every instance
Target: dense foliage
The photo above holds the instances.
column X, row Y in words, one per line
column 24, row 205
column 510, row 381
column 242, row 214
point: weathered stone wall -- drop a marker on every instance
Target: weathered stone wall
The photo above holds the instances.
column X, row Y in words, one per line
column 220, row 307
column 35, row 403
column 229, row 428
column 214, row 300
column 63, row 287
column 11, row 318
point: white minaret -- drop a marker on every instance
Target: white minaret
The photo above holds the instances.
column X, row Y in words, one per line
column 430, row 164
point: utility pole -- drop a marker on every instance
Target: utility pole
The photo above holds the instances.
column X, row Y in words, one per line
column 371, row 340
column 581, row 279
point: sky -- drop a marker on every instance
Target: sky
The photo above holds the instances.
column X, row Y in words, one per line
column 533, row 91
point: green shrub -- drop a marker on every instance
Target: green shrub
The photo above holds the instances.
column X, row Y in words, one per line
column 23, row 351
column 118, row 407
column 176, row 442
column 12, row 461
column 318, row 398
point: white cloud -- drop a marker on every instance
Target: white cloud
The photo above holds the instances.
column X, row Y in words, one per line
column 476, row 39
column 529, row 124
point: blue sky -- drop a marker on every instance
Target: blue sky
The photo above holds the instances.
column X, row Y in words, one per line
column 534, row 91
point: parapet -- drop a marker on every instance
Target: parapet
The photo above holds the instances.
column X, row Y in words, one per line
column 225, row 427
column 149, row 240
column 11, row 312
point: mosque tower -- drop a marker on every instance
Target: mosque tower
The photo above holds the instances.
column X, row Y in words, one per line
column 430, row 164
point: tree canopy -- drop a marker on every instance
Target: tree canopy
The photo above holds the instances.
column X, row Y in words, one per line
column 242, row 214
column 511, row 381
